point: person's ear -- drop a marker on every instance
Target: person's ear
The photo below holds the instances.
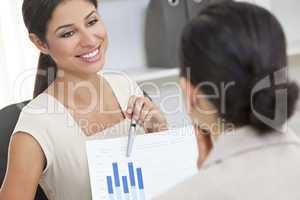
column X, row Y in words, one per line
column 190, row 92
column 42, row 46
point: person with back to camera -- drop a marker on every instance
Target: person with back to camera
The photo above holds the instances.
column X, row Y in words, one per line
column 233, row 76
column 72, row 103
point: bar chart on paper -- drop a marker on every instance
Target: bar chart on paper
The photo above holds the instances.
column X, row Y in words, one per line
column 121, row 187
column 158, row 162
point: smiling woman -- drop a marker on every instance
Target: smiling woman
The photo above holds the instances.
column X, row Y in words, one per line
column 72, row 103
column 77, row 43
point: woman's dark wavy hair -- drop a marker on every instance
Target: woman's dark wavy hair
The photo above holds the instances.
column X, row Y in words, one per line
column 241, row 43
column 36, row 16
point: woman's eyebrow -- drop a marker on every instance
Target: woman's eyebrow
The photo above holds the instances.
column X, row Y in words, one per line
column 91, row 13
column 63, row 26
column 68, row 25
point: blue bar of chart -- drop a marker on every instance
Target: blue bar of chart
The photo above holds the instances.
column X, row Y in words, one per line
column 129, row 187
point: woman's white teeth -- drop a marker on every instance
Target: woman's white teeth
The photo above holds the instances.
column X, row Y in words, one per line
column 92, row 54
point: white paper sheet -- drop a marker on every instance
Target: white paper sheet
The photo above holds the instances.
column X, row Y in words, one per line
column 158, row 162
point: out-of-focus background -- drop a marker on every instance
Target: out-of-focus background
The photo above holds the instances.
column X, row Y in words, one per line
column 143, row 35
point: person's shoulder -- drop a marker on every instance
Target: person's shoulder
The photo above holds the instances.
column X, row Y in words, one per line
column 122, row 82
column 118, row 77
column 38, row 108
column 39, row 101
column 202, row 185
column 253, row 172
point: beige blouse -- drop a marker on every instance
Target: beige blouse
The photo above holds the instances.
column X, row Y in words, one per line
column 62, row 140
column 245, row 165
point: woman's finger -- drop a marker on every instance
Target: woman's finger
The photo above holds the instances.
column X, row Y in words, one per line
column 143, row 114
column 130, row 106
column 153, row 122
column 148, row 102
column 148, row 106
column 138, row 105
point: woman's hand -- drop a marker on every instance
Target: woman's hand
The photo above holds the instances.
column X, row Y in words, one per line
column 146, row 113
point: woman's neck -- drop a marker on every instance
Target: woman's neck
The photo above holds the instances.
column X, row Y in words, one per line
column 77, row 90
column 223, row 128
column 67, row 76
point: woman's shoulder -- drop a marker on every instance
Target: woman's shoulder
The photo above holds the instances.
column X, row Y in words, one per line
column 123, row 86
column 122, row 80
column 39, row 110
column 38, row 105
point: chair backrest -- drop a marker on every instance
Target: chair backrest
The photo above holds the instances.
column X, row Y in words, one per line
column 8, row 119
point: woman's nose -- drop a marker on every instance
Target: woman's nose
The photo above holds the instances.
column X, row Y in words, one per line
column 87, row 39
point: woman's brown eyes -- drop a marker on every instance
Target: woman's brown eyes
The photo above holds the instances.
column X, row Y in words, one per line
column 71, row 33
column 94, row 21
column 67, row 34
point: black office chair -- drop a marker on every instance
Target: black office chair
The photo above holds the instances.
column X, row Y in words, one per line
column 8, row 119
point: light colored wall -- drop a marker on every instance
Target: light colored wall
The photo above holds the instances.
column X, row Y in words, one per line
column 294, row 72
column 287, row 12
column 125, row 21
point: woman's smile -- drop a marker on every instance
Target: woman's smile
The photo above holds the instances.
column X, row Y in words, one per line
column 91, row 56
column 77, row 38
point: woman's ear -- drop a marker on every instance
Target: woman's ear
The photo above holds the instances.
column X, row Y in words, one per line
column 42, row 46
column 189, row 91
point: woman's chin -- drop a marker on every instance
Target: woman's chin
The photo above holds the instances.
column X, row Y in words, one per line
column 91, row 68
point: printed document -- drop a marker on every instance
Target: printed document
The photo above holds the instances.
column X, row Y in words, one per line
column 158, row 161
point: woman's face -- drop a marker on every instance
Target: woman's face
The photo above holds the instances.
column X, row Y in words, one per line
column 199, row 108
column 76, row 37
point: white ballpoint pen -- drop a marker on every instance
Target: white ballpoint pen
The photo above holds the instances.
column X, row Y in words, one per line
column 131, row 136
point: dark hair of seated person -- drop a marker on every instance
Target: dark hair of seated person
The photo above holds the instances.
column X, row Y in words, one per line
column 240, row 43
